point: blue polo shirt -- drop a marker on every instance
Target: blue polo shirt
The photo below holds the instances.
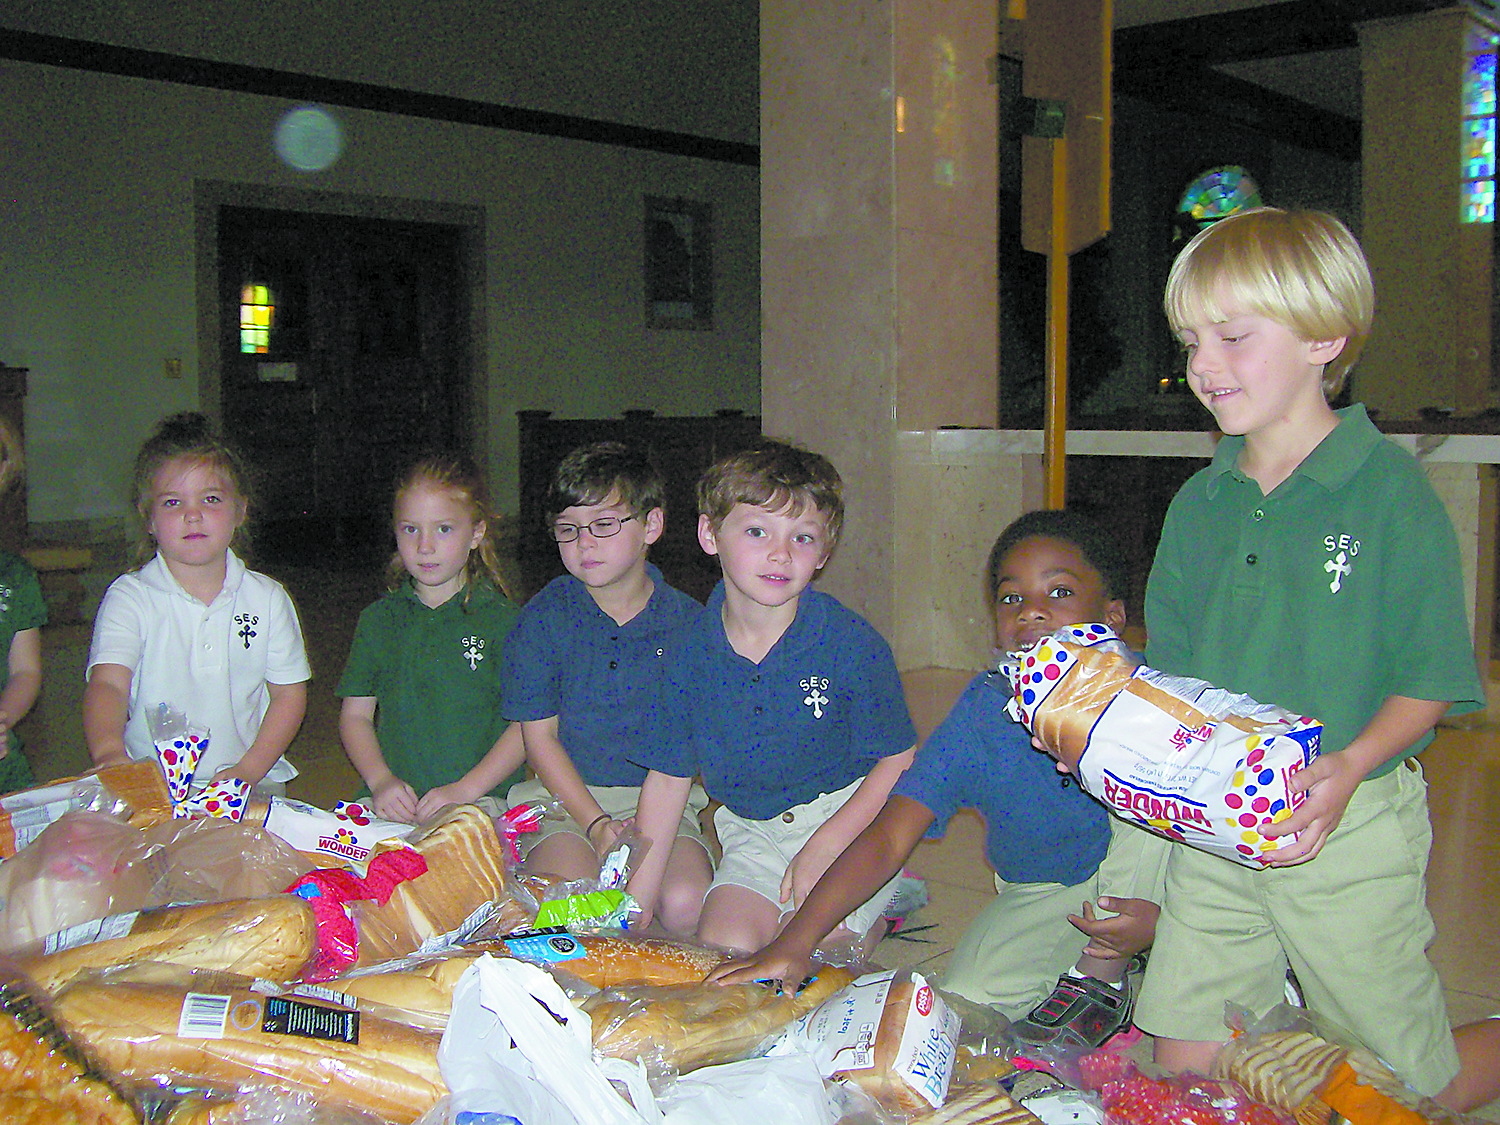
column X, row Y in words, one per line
column 815, row 715
column 567, row 657
column 979, row 758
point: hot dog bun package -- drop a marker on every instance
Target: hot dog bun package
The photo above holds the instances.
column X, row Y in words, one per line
column 1192, row 762
column 890, row 1034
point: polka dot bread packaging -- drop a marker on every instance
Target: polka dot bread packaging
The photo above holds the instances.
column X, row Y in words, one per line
column 1178, row 756
column 180, row 746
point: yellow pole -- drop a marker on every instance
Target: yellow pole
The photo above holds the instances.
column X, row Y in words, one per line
column 1054, row 434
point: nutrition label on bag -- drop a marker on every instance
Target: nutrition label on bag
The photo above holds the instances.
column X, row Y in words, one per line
column 86, row 933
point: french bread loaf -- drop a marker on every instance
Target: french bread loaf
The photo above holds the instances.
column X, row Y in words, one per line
column 693, row 1025
column 264, row 937
column 626, row 959
column 167, row 1035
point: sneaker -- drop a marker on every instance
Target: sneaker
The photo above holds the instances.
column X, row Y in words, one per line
column 1082, row 1012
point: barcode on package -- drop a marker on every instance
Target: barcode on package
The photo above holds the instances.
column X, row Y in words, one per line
column 203, row 1016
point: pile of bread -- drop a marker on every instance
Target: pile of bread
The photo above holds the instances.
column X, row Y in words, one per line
column 144, row 957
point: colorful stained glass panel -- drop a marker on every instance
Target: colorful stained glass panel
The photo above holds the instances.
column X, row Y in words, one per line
column 1219, row 193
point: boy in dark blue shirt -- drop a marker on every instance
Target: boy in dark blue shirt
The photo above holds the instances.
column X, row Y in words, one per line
column 1052, row 848
column 786, row 703
column 583, row 671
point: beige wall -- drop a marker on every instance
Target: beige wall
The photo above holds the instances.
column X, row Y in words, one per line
column 97, row 264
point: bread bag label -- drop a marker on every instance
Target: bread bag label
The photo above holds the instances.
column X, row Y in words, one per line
column 546, row 946
column 86, row 933
column 285, row 1016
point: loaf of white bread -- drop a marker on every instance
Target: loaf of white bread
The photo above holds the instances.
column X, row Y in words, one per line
column 687, row 1026
column 221, row 1035
column 270, row 937
column 981, row 1103
column 465, row 873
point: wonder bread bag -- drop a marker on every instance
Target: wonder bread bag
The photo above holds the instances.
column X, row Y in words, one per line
column 1178, row 756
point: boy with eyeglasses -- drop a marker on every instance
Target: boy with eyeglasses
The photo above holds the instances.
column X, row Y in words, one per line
column 583, row 669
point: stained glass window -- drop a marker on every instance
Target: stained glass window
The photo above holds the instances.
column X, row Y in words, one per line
column 1476, row 199
column 257, row 309
column 1217, row 194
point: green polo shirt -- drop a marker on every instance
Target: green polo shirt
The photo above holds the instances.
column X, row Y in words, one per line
column 1338, row 590
column 435, row 676
column 21, row 608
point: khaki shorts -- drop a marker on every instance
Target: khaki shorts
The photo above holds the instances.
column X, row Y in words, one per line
column 1015, row 949
column 1352, row 922
column 619, row 801
column 758, row 852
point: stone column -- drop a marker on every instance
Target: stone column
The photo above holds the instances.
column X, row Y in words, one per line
column 878, row 276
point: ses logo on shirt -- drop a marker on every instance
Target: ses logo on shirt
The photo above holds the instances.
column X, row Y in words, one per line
column 815, row 686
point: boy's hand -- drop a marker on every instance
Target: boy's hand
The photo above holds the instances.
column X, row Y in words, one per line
column 438, row 798
column 1329, row 781
column 1132, row 929
column 806, row 868
column 393, row 799
column 779, row 961
column 604, row 835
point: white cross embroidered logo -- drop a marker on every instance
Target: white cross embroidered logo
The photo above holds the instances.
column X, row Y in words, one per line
column 245, row 632
column 1338, row 566
column 815, row 686
column 473, row 651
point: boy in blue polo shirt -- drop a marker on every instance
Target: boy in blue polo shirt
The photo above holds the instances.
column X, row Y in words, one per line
column 1311, row 565
column 583, row 669
column 1048, row 569
column 786, row 703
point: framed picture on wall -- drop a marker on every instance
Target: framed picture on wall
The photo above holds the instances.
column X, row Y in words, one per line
column 679, row 266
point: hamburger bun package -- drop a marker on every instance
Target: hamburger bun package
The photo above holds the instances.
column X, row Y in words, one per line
column 1178, row 756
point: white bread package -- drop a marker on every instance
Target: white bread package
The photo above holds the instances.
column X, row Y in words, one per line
column 890, row 1034
column 1178, row 756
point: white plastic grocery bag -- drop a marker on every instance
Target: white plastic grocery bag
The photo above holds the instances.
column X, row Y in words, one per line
column 505, row 1052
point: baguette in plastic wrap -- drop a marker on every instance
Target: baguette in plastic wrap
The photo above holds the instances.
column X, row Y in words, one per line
column 222, row 1035
column 1175, row 755
column 270, row 937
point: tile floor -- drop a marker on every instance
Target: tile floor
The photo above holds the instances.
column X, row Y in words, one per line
column 1463, row 771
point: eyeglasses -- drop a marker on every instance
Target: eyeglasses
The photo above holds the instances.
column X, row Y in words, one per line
column 601, row 528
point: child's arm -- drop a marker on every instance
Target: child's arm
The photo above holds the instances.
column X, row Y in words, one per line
column 277, row 729
column 106, row 704
column 1331, row 779
column 545, row 752
column 835, row 834
column 392, row 798
column 663, row 797
column 863, row 868
column 25, row 666
column 498, row 763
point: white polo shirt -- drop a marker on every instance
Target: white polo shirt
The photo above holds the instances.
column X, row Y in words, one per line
column 212, row 662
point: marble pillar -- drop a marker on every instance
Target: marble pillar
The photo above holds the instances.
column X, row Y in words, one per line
column 878, row 274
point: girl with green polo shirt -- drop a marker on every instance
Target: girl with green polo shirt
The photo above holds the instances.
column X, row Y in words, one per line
column 421, row 718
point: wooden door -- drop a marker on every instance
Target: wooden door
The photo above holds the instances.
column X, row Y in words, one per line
column 366, row 365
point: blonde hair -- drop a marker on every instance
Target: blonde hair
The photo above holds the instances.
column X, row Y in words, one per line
column 775, row 476
column 186, row 437
column 1302, row 269
column 457, row 475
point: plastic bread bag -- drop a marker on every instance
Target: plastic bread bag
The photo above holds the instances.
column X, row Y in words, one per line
column 271, row 937
column 180, row 746
column 341, row 838
column 260, row 1105
column 220, row 1033
column 1304, row 1064
column 890, row 1033
column 26, row 813
column 49, row 1075
column 416, row 990
column 213, row 859
column 76, row 870
column 1129, row 1097
column 1178, row 756
column 675, row 1029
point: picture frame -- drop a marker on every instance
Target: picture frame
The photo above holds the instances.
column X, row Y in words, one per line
column 677, row 237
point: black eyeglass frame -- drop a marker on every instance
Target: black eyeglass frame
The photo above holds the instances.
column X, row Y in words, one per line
column 568, row 532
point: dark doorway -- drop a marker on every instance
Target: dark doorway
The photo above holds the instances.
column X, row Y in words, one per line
column 364, row 362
